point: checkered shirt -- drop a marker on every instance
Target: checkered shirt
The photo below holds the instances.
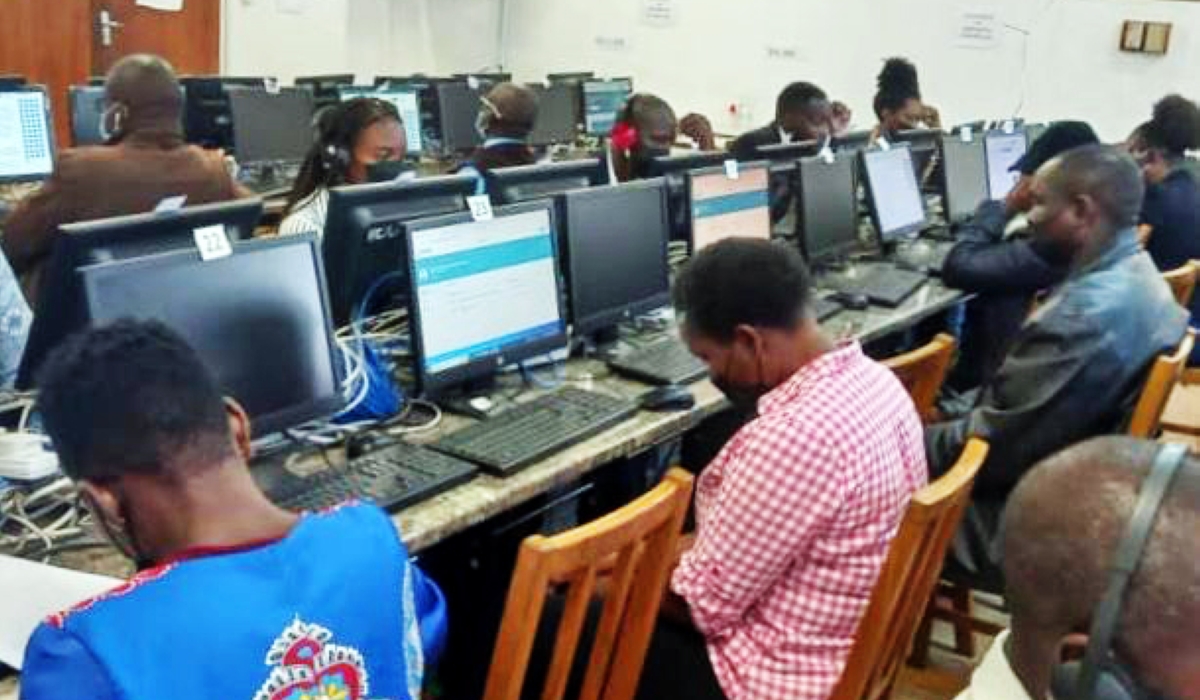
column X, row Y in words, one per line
column 794, row 518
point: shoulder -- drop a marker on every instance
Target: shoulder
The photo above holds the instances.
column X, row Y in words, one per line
column 60, row 665
column 128, row 589
column 308, row 214
column 355, row 521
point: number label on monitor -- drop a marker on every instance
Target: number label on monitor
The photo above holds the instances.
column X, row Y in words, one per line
column 731, row 169
column 826, row 155
column 481, row 207
column 965, row 135
column 212, row 242
column 170, row 204
column 883, row 144
column 1008, row 126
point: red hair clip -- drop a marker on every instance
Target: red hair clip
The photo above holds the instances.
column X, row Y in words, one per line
column 624, row 136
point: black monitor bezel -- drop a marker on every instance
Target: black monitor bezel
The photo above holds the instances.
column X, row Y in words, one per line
column 433, row 385
column 955, row 141
column 502, row 178
column 987, row 161
column 237, row 95
column 50, row 136
column 842, row 160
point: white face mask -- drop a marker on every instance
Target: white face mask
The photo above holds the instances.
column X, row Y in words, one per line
column 115, row 113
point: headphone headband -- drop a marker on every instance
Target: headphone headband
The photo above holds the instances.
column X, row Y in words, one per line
column 1129, row 554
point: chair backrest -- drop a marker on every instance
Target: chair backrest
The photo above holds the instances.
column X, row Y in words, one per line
column 1183, row 281
column 1164, row 377
column 638, row 541
column 906, row 582
column 923, row 370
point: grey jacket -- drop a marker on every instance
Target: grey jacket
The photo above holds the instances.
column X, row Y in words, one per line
column 1074, row 371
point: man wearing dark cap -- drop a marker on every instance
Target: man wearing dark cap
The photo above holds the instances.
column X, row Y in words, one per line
column 1005, row 273
column 1076, row 366
column 507, row 115
column 144, row 162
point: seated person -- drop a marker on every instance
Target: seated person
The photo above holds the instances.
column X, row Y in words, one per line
column 1006, row 272
column 646, row 129
column 795, row 515
column 1058, row 563
column 144, row 162
column 351, row 137
column 236, row 598
column 898, row 104
column 1171, row 212
column 1076, row 367
column 507, row 115
column 802, row 113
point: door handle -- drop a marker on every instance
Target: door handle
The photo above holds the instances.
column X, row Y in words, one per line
column 107, row 25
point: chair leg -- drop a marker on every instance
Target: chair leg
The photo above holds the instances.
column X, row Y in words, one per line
column 964, row 637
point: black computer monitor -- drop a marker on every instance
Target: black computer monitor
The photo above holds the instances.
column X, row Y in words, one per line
column 602, row 102
column 827, row 198
column 258, row 318
column 458, row 108
column 87, row 109
column 459, row 269
column 572, row 77
column 364, row 241
column 964, row 177
column 924, row 145
column 852, row 141
column 542, row 180
column 271, row 126
column 558, row 114
column 729, row 207
column 484, row 80
column 893, row 195
column 26, row 135
column 1003, row 150
column 206, row 117
column 60, row 305
column 325, row 87
column 10, row 81
column 616, row 253
column 405, row 99
column 787, row 152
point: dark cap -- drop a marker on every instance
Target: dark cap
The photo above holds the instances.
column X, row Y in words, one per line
column 1059, row 138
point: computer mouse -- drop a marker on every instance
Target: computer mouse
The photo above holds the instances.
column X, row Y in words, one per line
column 365, row 443
column 852, row 301
column 671, row 397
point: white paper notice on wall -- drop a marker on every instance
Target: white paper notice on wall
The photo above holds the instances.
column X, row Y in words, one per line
column 292, row 7
column 660, row 13
column 164, row 5
column 977, row 28
column 615, row 44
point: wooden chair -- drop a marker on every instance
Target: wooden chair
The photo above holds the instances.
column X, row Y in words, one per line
column 1164, row 377
column 637, row 543
column 1182, row 281
column 922, row 372
column 906, row 581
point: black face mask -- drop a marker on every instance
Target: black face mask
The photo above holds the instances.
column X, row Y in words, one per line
column 641, row 160
column 387, row 170
column 743, row 397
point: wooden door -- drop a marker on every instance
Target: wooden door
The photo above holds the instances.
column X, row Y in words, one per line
column 189, row 38
column 50, row 43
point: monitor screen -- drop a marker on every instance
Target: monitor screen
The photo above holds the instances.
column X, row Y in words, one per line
column 87, row 109
column 458, row 108
column 26, row 136
column 602, row 102
column 60, row 305
column 1003, row 151
column 407, row 103
column 892, row 192
column 460, row 268
column 616, row 228
column 558, row 115
column 267, row 294
column 828, row 208
column 270, row 127
column 364, row 237
column 541, row 180
column 964, row 177
column 723, row 207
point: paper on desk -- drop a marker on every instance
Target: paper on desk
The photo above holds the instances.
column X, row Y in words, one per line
column 29, row 592
column 164, row 5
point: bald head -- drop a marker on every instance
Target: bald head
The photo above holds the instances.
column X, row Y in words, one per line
column 148, row 90
column 1106, row 175
column 515, row 110
column 1062, row 527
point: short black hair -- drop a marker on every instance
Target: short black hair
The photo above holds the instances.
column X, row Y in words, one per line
column 797, row 97
column 131, row 397
column 1107, row 175
column 1174, row 127
column 645, row 111
column 897, row 84
column 742, row 281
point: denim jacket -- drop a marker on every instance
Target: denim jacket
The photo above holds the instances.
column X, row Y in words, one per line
column 1074, row 371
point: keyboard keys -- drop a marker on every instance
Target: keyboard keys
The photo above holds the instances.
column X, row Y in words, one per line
column 666, row 361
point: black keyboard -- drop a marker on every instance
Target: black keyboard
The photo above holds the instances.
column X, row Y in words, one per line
column 883, row 286
column 530, row 431
column 825, row 308
column 393, row 477
column 666, row 361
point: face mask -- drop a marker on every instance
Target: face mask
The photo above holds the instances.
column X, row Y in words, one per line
column 115, row 114
column 744, row 398
column 122, row 538
column 387, row 170
column 481, row 124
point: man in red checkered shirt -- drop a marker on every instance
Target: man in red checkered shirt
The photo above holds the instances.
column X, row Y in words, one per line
column 795, row 515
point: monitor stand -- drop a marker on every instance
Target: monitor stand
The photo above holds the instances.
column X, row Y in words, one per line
column 473, row 399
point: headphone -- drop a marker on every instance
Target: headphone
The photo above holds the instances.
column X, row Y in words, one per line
column 1101, row 676
column 333, row 138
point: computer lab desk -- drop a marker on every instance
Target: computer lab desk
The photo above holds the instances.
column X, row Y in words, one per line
column 485, row 497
